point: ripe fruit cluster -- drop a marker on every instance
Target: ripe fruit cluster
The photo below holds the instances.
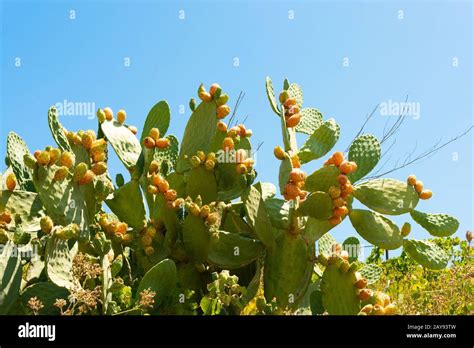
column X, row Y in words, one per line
column 215, row 93
column 293, row 189
column 244, row 163
column 340, row 193
column 380, row 303
column 116, row 229
column 147, row 235
column 108, row 114
column 153, row 140
column 208, row 161
column 418, row 185
column 292, row 110
column 208, row 212
column 158, row 184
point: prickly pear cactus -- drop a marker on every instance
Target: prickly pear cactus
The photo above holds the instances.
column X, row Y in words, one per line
column 191, row 231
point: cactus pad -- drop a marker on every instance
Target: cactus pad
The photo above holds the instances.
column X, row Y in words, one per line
column 365, row 151
column 200, row 181
column 426, row 253
column 311, row 119
column 258, row 216
column 352, row 246
column 196, row 237
column 10, row 277
column 371, row 272
column 438, row 225
column 229, row 250
column 57, row 130
column 316, row 229
column 317, row 205
column 295, row 91
column 278, row 211
column 339, row 294
column 162, row 279
column 198, row 134
column 24, row 204
column 320, row 142
column 158, row 117
column 16, row 149
column 285, row 269
column 322, row 179
column 127, row 196
column 170, row 154
column 387, row 196
column 326, row 244
column 284, row 173
column 59, row 262
column 271, row 95
column 124, row 142
column 376, row 229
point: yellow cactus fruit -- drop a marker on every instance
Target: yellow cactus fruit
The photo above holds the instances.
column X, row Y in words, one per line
column 195, row 161
column 241, row 168
column 426, row 194
column 87, row 178
column 162, row 143
column 295, row 161
column 347, row 167
column 133, row 129
column 149, row 250
column 339, row 202
column 163, row 186
column 121, row 228
column 293, row 120
column 340, row 211
column 203, row 94
column 54, row 155
column 209, row 164
column 154, row 134
column 154, row 167
column 240, row 155
column 249, row 162
column 222, row 111
column 212, row 218
column 99, row 168
column 170, row 195
column 152, row 189
column 67, row 159
column 151, row 231
column 213, row 88
column 346, row 190
column 46, row 224
column 61, row 173
column 157, row 179
column 419, row 186
column 121, row 116
column 227, row 144
column 291, row 191
column 201, row 155
column 335, row 220
column 297, row 175
column 243, row 130
column 87, row 140
column 334, row 192
column 149, row 143
column 43, row 158
column 279, row 153
column 391, row 309
column 221, row 127
column 205, row 211
column 342, row 179
column 194, row 209
column 411, row 180
column 11, row 181
column 337, row 158
column 109, row 114
column 98, row 157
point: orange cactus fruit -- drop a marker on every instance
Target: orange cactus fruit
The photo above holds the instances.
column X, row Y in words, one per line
column 162, row 143
column 228, row 144
column 213, row 88
column 297, row 175
column 170, row 195
column 149, row 143
column 221, row 127
column 337, row 158
column 109, row 114
column 293, row 120
column 222, row 111
column 335, row 220
column 11, row 181
column 87, row 178
column 419, row 186
column 340, row 211
column 291, row 191
column 426, row 194
column 279, row 153
column 411, row 180
column 289, row 102
column 154, row 134
column 121, row 116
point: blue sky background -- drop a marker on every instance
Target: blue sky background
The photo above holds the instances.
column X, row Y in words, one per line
column 82, row 60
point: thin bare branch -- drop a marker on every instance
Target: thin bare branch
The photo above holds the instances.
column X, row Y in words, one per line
column 367, row 119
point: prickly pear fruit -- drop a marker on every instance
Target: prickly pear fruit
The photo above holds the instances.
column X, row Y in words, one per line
column 289, row 102
column 162, row 143
column 170, row 195
column 67, row 159
column 241, row 168
column 411, row 180
column 43, row 158
column 46, row 224
column 11, row 181
column 87, row 178
column 297, row 175
column 29, row 161
column 99, row 168
column 121, row 116
column 152, row 189
column 149, row 250
column 367, row 309
column 347, row 167
column 213, row 88
column 223, row 99
column 101, row 115
column 203, row 94
column 291, row 191
column 133, row 129
column 293, row 120
column 361, row 283
column 221, row 127
column 68, row 232
column 109, row 114
column 195, row 161
column 146, row 240
column 54, row 155
column 391, row 309
column 209, row 164
column 283, row 97
column 154, row 134
column 227, row 144
column 61, row 173
column 79, row 171
column 121, row 228
column 154, row 167
column 6, row 217
column 419, row 186
column 279, row 153
column 335, row 220
column 469, row 236
column 149, row 143
column 426, row 194
column 222, row 111
column 334, row 192
column 406, row 229
column 340, row 211
column 4, row 238
column 163, row 186
column 365, row 294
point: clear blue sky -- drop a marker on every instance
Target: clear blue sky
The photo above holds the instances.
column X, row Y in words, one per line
column 82, row 60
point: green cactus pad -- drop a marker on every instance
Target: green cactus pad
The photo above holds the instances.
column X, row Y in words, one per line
column 57, row 130
column 352, row 246
column 311, row 119
column 158, row 117
column 198, row 134
column 229, row 250
column 10, row 277
column 285, row 270
column 320, row 142
column 438, row 225
column 376, row 229
column 295, row 91
column 168, row 216
column 326, row 244
column 47, row 293
column 318, row 205
column 129, row 195
column 189, row 277
column 162, row 278
column 196, row 237
column 316, row 301
column 271, row 95
column 316, row 229
column 170, row 154
column 201, row 182
column 258, row 217
column 365, row 151
column 387, row 196
column 322, row 179
column 426, row 253
column 267, row 189
column 124, row 142
column 16, row 149
column 284, row 173
column 176, row 182
column 278, row 211
column 371, row 272
column 339, row 293
column 58, row 260
column 230, row 183
column 64, row 201
column 24, row 204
